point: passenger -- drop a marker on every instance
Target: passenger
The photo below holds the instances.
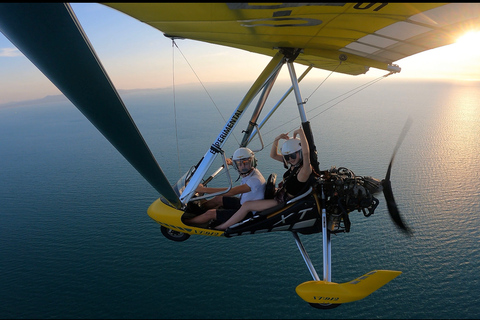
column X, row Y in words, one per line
column 252, row 187
column 296, row 153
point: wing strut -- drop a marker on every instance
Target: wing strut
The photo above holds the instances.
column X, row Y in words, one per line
column 51, row 37
column 301, row 109
column 263, row 79
column 275, row 107
column 256, row 113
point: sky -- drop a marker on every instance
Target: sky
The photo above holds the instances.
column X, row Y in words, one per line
column 137, row 56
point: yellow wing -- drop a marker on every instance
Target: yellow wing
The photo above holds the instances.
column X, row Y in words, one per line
column 362, row 35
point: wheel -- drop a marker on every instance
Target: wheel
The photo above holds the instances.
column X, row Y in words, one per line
column 325, row 306
column 173, row 234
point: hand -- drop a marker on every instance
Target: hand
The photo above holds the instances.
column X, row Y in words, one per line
column 200, row 188
column 299, row 132
column 282, row 136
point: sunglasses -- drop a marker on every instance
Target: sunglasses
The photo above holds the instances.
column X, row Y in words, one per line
column 242, row 162
column 292, row 156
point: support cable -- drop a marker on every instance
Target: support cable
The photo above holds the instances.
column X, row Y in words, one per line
column 323, row 81
column 353, row 92
column 204, row 88
column 175, row 107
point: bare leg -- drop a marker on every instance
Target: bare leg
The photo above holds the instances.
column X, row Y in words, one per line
column 213, row 203
column 203, row 218
column 257, row 205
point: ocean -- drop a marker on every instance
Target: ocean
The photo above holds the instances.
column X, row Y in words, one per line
column 76, row 242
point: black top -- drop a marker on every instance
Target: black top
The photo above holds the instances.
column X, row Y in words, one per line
column 292, row 186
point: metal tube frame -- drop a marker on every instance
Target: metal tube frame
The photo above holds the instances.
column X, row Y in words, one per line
column 277, row 105
column 305, row 256
column 326, row 241
column 276, row 63
column 256, row 113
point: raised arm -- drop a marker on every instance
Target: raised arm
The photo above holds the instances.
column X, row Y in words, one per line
column 274, row 151
column 306, row 169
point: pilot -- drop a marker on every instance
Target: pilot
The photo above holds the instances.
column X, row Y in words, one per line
column 252, row 187
column 295, row 154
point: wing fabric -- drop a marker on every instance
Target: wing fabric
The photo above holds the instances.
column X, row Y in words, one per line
column 359, row 35
column 51, row 37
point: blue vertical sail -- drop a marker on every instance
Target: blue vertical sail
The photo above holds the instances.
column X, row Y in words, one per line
column 52, row 38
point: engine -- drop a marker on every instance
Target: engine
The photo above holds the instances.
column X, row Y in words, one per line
column 345, row 192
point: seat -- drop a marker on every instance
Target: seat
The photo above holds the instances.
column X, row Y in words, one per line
column 270, row 186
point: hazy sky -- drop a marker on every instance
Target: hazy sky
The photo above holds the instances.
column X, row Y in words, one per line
column 136, row 56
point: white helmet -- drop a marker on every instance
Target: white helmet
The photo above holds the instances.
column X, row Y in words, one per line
column 291, row 149
column 291, row 146
column 242, row 154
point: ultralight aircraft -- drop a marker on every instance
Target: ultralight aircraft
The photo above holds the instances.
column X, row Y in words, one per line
column 347, row 38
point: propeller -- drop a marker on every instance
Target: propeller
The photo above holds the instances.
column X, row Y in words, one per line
column 387, row 185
